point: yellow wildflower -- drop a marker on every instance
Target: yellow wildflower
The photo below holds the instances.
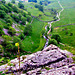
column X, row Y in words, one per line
column 16, row 44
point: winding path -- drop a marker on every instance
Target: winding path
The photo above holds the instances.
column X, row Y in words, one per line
column 58, row 16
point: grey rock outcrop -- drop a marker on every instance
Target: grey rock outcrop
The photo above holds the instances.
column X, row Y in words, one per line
column 52, row 58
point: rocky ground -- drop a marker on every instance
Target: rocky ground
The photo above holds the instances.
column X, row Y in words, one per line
column 50, row 61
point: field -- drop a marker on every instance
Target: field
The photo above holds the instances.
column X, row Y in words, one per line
column 33, row 42
column 67, row 17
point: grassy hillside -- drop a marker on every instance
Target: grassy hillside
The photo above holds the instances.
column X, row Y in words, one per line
column 33, row 42
column 66, row 17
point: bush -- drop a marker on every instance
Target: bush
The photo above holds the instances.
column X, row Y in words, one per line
column 1, row 32
column 2, row 13
column 1, row 49
column 23, row 19
column 71, row 34
column 28, row 30
column 11, row 31
column 9, row 21
column 29, row 18
column 20, row 5
column 9, row 47
column 2, row 7
column 15, row 9
column 7, row 40
column 21, row 36
column 52, row 41
column 56, row 37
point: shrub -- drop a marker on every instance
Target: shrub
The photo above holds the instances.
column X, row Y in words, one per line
column 56, row 37
column 1, row 49
column 9, row 21
column 71, row 34
column 29, row 18
column 7, row 40
column 20, row 5
column 52, row 41
column 2, row 13
column 9, row 47
column 23, row 19
column 1, row 32
column 11, row 31
column 21, row 36
column 28, row 30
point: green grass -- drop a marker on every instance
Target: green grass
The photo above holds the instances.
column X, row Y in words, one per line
column 66, row 38
column 46, row 18
column 34, row 41
column 31, row 8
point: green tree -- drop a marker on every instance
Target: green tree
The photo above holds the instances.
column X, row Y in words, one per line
column 2, row 13
column 9, row 47
column 28, row 30
column 56, row 37
column 21, row 36
column 20, row 5
column 3, row 1
column 52, row 41
column 13, row 1
column 23, row 19
column 11, row 31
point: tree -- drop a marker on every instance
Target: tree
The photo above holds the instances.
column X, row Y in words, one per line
column 56, row 37
column 2, row 13
column 9, row 21
column 11, row 31
column 29, row 18
column 20, row 5
column 23, row 19
column 13, row 1
column 1, row 30
column 15, row 9
column 21, row 36
column 28, row 30
column 9, row 47
column 41, row 3
column 41, row 8
column 52, row 41
column 3, row 1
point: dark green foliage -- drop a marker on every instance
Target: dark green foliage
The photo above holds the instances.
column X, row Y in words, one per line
column 2, row 13
column 7, row 40
column 41, row 3
column 52, row 41
column 18, row 40
column 15, row 9
column 3, row 1
column 23, row 19
column 1, row 30
column 9, row 47
column 15, row 17
column 56, row 37
column 71, row 34
column 20, row 5
column 29, row 13
column 21, row 36
column 66, row 32
column 2, row 7
column 11, row 31
column 13, row 1
column 9, row 4
column 20, row 15
column 9, row 21
column 32, row 1
column 24, row 14
column 28, row 30
column 40, row 7
column 9, row 8
column 29, row 18
column 51, row 29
